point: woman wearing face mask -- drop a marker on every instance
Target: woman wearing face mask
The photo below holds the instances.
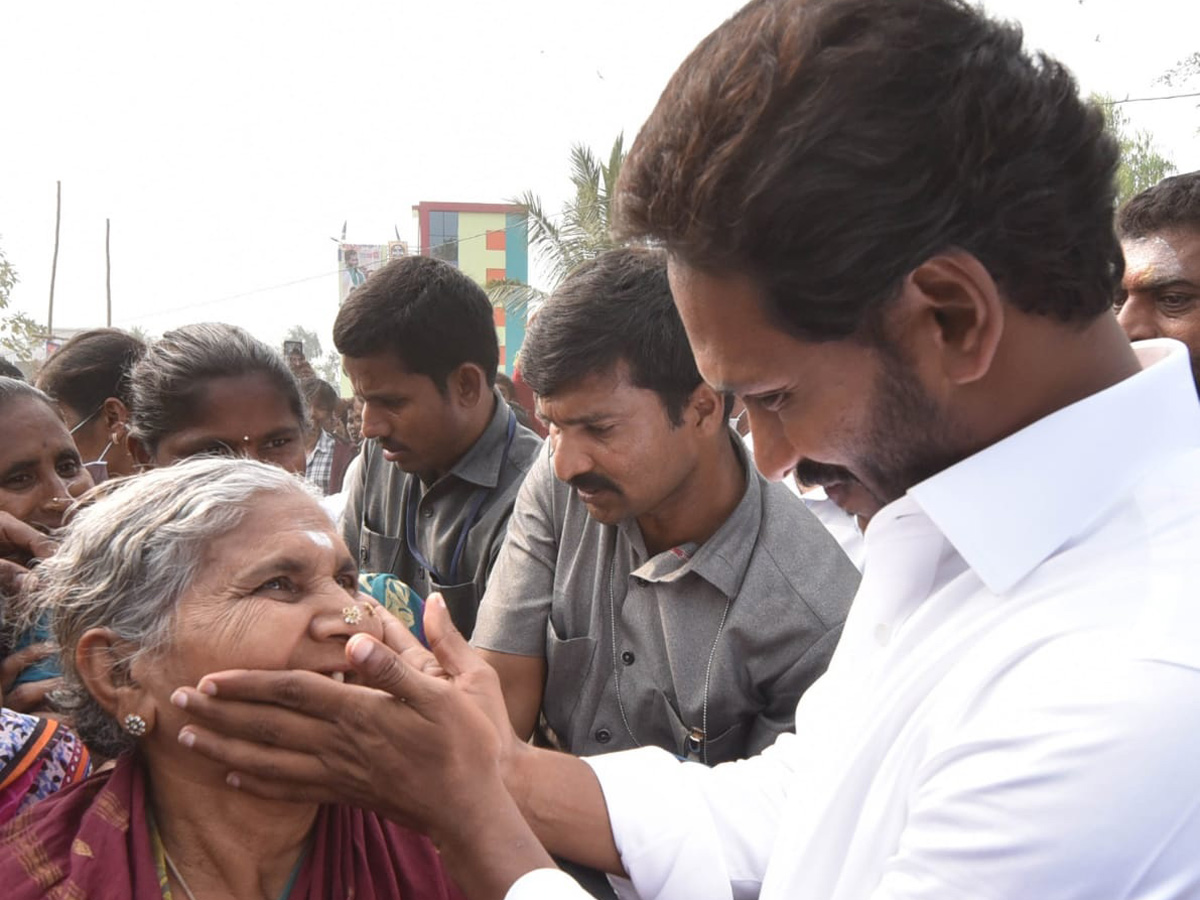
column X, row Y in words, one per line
column 89, row 380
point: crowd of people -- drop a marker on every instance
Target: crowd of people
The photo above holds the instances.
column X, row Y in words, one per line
column 922, row 630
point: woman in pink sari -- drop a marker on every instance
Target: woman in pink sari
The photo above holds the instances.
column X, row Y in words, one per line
column 211, row 564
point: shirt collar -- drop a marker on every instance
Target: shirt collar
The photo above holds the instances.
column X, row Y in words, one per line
column 481, row 464
column 721, row 560
column 1009, row 507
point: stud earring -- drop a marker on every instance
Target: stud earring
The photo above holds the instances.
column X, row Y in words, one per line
column 135, row 724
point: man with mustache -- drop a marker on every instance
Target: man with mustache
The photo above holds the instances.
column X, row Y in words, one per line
column 431, row 500
column 653, row 588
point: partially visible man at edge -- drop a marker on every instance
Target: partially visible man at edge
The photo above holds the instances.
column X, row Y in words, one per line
column 431, row 501
column 890, row 232
column 1160, row 236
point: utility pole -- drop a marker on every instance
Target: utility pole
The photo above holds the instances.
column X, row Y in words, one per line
column 54, row 264
column 108, row 269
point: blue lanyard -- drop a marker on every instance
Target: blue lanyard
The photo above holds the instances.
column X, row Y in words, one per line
column 473, row 510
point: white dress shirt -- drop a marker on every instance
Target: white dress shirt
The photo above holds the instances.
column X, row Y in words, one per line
column 1012, row 710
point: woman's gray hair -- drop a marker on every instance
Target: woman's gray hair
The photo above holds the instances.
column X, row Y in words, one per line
column 168, row 383
column 129, row 554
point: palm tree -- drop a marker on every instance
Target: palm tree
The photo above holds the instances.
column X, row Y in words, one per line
column 574, row 236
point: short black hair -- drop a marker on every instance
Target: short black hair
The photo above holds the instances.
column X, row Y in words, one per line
column 91, row 367
column 425, row 312
column 1172, row 203
column 827, row 148
column 169, row 381
column 8, row 370
column 615, row 308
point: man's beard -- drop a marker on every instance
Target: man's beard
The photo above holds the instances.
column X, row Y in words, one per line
column 908, row 437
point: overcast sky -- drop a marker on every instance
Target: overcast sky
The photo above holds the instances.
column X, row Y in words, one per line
column 228, row 141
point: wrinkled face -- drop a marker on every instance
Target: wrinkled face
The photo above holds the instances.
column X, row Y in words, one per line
column 246, row 415
column 1161, row 289
column 813, row 405
column 270, row 594
column 40, row 469
column 614, row 443
column 417, row 427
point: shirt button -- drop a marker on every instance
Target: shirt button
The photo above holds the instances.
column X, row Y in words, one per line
column 427, row 513
column 603, row 735
column 883, row 634
column 420, row 574
column 627, row 657
column 362, row 555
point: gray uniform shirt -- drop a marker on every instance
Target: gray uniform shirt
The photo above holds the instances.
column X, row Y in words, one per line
column 720, row 639
column 373, row 523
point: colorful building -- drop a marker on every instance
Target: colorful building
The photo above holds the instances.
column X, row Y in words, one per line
column 488, row 242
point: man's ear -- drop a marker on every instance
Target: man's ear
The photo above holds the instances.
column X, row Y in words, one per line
column 955, row 310
column 101, row 658
column 468, row 384
column 708, row 407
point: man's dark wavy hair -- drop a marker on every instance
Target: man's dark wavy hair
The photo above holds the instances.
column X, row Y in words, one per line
column 614, row 309
column 1172, row 203
column 826, row 148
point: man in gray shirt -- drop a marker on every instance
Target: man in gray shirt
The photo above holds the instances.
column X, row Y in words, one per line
column 431, row 501
column 653, row 587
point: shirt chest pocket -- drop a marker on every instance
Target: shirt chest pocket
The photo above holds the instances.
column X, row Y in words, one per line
column 377, row 552
column 568, row 667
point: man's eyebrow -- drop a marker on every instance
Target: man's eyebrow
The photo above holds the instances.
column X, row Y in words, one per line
column 1161, row 284
column 594, row 419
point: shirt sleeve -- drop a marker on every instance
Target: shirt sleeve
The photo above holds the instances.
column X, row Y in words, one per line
column 546, row 884
column 1062, row 790
column 514, row 610
column 685, row 830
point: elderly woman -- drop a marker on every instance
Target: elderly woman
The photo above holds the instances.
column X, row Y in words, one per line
column 211, row 564
column 216, row 389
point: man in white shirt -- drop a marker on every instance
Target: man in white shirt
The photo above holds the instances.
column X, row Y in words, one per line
column 890, row 234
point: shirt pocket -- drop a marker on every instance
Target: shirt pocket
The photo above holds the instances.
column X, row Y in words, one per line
column 568, row 667
column 377, row 552
column 463, row 602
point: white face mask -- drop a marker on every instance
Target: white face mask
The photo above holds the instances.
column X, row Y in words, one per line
column 98, row 468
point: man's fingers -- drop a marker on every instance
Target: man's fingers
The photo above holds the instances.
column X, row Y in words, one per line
column 379, row 666
column 308, row 692
column 273, row 772
column 396, row 636
column 446, row 642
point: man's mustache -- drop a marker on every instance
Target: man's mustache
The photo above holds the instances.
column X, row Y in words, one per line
column 591, row 482
column 810, row 472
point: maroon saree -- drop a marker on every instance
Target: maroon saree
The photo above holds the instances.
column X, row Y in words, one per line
column 93, row 841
